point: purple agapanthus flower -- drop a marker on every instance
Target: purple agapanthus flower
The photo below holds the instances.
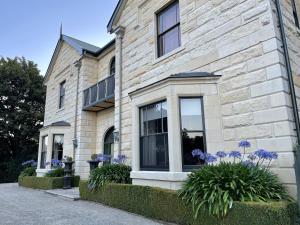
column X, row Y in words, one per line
column 252, row 157
column 264, row 154
column 29, row 163
column 244, row 144
column 248, row 163
column 103, row 158
column 235, row 154
column 210, row 158
column 120, row 159
column 198, row 153
column 221, row 154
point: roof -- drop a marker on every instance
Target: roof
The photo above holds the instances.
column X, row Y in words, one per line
column 184, row 75
column 116, row 14
column 80, row 46
column 57, row 124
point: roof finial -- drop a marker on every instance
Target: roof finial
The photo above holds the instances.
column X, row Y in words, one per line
column 60, row 32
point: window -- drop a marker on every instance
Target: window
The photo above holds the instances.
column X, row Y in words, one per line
column 112, row 68
column 192, row 130
column 108, row 143
column 62, row 90
column 295, row 14
column 168, row 29
column 44, row 152
column 154, row 137
column 58, row 146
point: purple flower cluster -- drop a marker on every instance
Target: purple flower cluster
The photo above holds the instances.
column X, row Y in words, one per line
column 120, row 159
column 55, row 163
column 103, row 158
column 31, row 163
column 257, row 158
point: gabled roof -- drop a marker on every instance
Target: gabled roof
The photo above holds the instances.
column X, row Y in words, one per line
column 116, row 15
column 79, row 46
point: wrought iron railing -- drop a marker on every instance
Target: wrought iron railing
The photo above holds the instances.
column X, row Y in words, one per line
column 103, row 90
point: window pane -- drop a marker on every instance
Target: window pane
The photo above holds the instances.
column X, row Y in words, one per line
column 170, row 40
column 113, row 67
column 62, row 94
column 191, row 114
column 154, row 120
column 155, row 151
column 190, row 142
column 58, row 143
column 44, row 152
column 168, row 18
column 164, row 116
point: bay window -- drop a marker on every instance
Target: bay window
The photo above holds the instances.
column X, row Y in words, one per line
column 58, row 146
column 154, row 137
column 192, row 130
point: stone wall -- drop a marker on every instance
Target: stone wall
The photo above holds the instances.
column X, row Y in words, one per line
column 234, row 38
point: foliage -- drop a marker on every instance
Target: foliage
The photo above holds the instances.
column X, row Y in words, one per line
column 55, row 163
column 22, row 99
column 46, row 183
column 114, row 173
column 165, row 205
column 28, row 171
column 57, row 172
column 68, row 159
column 217, row 187
column 94, row 156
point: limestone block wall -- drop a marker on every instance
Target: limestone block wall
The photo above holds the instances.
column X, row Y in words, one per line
column 234, row 38
column 63, row 70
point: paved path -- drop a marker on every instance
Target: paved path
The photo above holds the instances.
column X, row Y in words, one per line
column 22, row 206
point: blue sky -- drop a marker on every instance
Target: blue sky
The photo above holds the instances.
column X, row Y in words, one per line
column 30, row 28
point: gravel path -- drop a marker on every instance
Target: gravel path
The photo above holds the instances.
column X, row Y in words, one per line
column 22, row 206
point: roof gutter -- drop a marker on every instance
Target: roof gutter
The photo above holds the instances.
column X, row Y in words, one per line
column 293, row 95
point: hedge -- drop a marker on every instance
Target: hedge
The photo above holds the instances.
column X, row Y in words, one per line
column 46, row 183
column 165, row 205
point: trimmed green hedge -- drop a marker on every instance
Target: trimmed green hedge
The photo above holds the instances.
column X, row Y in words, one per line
column 165, row 205
column 46, row 183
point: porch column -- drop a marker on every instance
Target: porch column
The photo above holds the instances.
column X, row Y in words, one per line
column 118, row 91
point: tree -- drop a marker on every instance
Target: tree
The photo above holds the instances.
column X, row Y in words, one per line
column 22, row 100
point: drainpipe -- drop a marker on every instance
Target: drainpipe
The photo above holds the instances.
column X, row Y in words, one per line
column 293, row 95
column 119, row 41
column 75, row 141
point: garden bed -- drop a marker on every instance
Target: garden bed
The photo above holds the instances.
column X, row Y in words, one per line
column 45, row 183
column 165, row 205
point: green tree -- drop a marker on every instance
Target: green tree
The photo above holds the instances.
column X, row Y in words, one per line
column 22, row 99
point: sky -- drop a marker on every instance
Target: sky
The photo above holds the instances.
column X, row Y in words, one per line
column 30, row 28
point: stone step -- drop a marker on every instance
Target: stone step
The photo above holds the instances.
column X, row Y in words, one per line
column 71, row 194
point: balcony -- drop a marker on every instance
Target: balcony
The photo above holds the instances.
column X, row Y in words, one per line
column 100, row 96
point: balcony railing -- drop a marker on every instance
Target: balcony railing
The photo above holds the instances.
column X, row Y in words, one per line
column 100, row 96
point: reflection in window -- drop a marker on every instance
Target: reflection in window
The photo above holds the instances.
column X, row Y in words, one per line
column 168, row 24
column 58, row 146
column 154, row 137
column 192, row 133
column 44, row 152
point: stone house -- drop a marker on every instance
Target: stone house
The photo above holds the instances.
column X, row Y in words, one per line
column 180, row 75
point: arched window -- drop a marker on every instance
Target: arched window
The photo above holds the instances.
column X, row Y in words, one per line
column 112, row 68
column 109, row 143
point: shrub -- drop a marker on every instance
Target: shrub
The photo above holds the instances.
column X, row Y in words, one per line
column 58, row 172
column 216, row 187
column 165, row 205
column 29, row 171
column 46, row 183
column 114, row 173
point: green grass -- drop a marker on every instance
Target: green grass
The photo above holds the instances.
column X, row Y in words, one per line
column 45, row 183
column 165, row 205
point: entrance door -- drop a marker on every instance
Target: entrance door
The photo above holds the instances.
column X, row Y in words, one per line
column 109, row 144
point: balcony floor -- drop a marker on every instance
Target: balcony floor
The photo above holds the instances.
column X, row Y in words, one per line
column 101, row 104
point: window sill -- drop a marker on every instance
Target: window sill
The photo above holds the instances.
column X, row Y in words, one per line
column 60, row 110
column 159, row 175
column 162, row 58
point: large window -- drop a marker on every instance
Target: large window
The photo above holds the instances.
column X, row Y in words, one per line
column 168, row 29
column 58, row 146
column 109, row 143
column 192, row 130
column 295, row 14
column 44, row 152
column 62, row 90
column 154, row 137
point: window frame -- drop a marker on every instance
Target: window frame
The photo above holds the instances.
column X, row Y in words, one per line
column 62, row 96
column 295, row 14
column 187, row 168
column 43, row 151
column 160, row 34
column 113, row 60
column 53, row 145
column 151, row 168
